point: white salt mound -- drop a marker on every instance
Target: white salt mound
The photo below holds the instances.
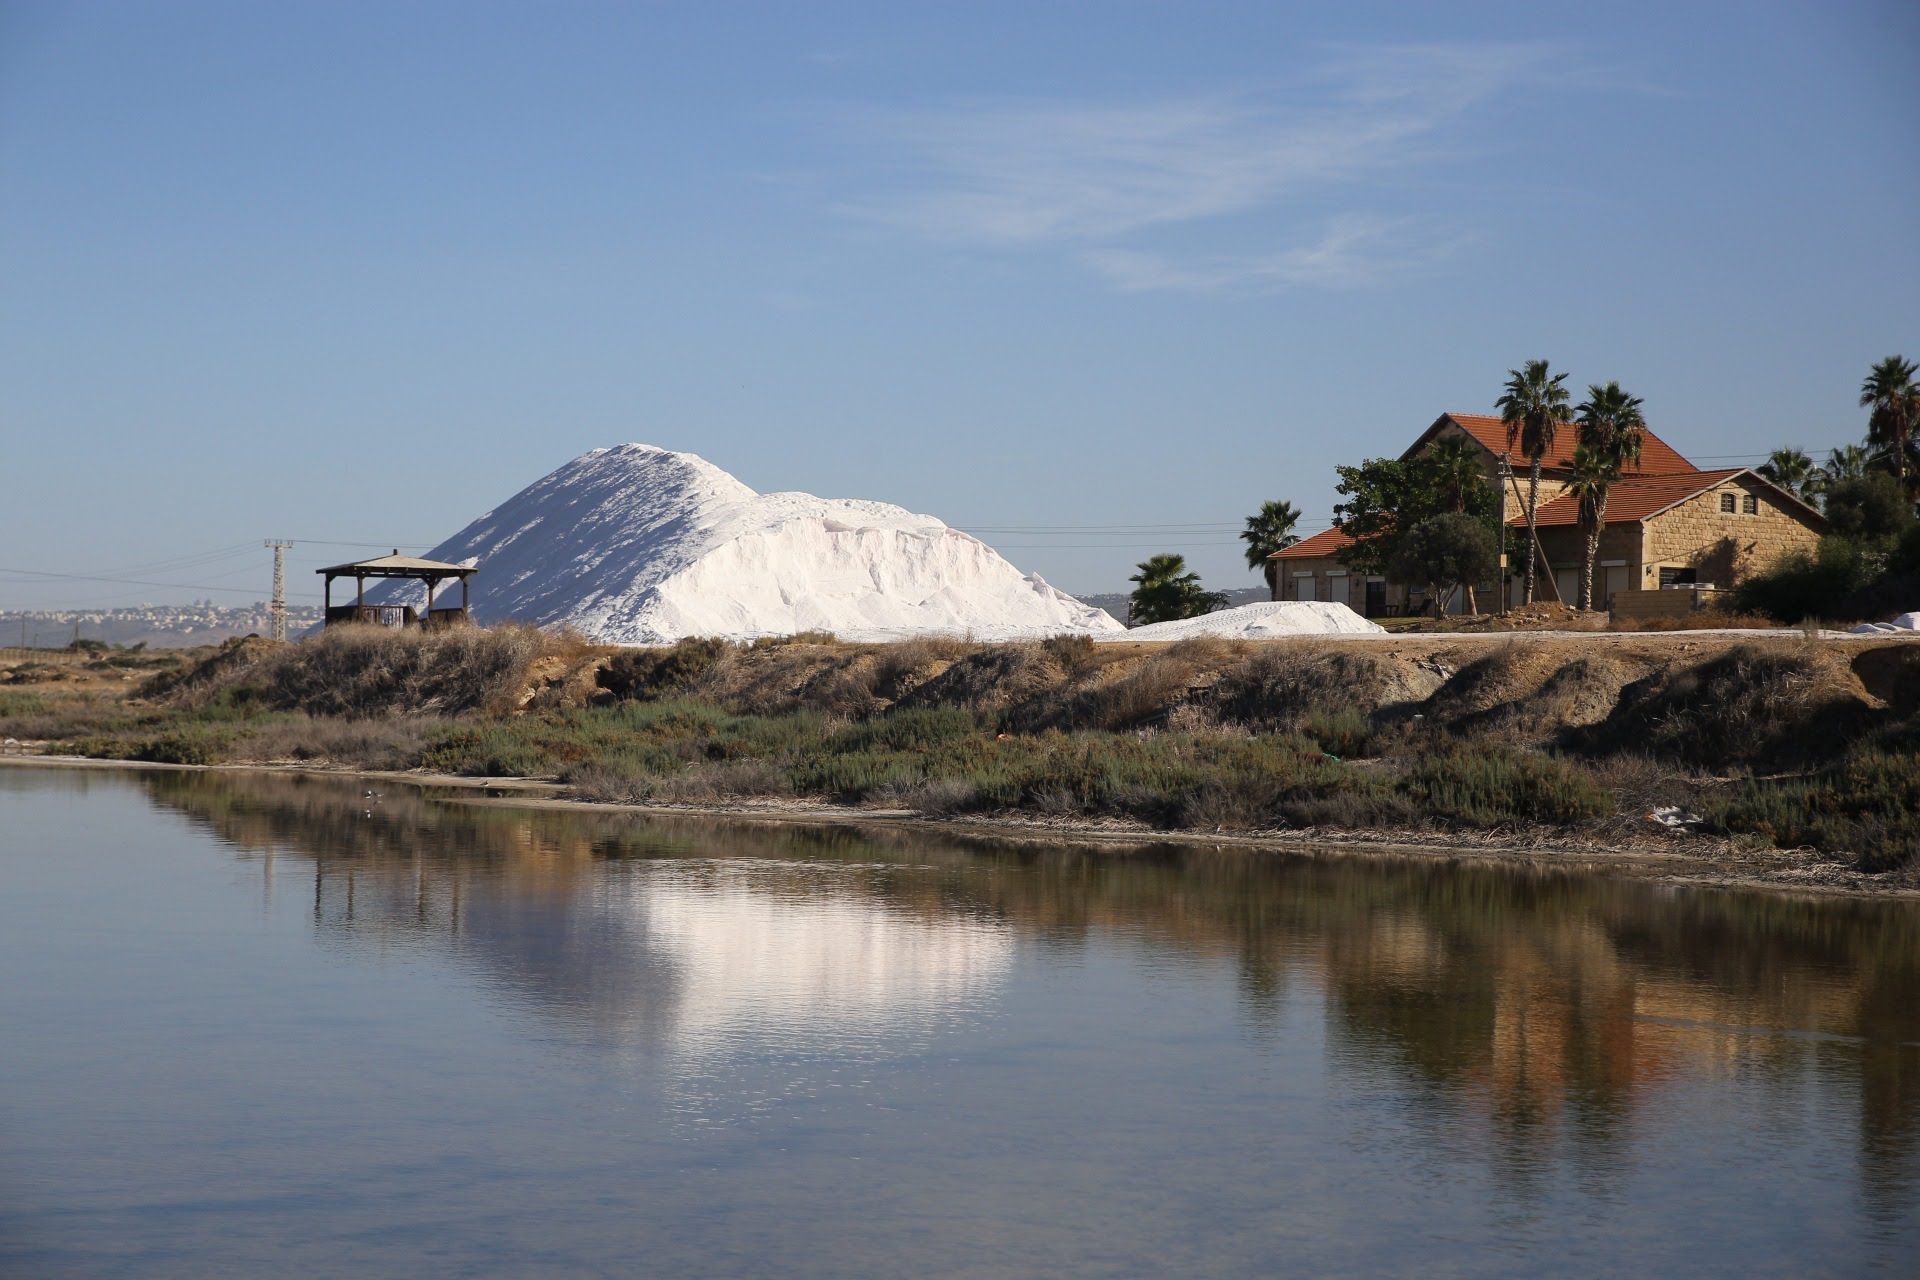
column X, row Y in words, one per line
column 1259, row 621
column 640, row 545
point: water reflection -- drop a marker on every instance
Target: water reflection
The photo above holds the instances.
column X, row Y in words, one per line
column 1540, row 1017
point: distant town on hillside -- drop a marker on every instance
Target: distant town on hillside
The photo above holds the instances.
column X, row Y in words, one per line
column 159, row 626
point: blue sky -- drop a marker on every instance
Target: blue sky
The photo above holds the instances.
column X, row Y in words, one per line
column 1092, row 279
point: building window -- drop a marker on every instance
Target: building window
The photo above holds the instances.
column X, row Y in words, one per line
column 1726, row 504
column 1750, row 505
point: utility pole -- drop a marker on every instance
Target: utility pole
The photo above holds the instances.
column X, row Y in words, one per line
column 279, row 546
column 1506, row 590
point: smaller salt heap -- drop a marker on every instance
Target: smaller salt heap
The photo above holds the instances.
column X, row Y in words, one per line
column 1260, row 621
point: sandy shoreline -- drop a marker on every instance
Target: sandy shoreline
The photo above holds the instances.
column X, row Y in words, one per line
column 1716, row 864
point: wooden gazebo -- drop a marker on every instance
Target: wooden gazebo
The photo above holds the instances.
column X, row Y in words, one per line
column 431, row 572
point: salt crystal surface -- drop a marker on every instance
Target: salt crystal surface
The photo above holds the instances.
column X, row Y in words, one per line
column 641, row 545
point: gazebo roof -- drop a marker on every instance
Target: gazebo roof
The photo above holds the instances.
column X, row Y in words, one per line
column 398, row 566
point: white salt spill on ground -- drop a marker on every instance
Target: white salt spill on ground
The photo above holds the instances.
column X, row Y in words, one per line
column 640, row 545
column 1905, row 624
column 1259, row 621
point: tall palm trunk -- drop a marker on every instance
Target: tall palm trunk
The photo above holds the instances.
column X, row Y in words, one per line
column 1533, row 537
column 1595, row 522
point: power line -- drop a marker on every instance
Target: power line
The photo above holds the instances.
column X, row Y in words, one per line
column 134, row 582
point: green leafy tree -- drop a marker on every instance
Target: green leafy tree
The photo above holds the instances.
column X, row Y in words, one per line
column 1893, row 400
column 1268, row 530
column 1533, row 406
column 1612, row 433
column 1382, row 498
column 1166, row 591
column 1792, row 470
column 1448, row 551
column 1871, row 509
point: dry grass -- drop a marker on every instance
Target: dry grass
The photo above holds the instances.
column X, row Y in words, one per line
column 372, row 671
column 1706, row 620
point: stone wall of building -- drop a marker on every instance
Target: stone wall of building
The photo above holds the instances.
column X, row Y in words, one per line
column 1722, row 547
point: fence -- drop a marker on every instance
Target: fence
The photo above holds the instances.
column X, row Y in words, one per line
column 16, row 655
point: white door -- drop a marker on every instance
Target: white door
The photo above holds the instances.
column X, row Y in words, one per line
column 1616, row 581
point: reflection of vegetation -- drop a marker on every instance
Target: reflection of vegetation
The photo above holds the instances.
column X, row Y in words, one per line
column 1548, row 1004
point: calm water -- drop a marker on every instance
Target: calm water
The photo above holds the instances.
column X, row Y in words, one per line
column 264, row 1026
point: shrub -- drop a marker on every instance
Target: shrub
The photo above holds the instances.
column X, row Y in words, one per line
column 655, row 673
column 1749, row 705
column 1799, row 586
column 368, row 671
column 1867, row 805
column 1496, row 787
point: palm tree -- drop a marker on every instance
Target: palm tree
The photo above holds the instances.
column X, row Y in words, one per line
column 1166, row 591
column 1534, row 406
column 1458, row 468
column 1268, row 530
column 1792, row 470
column 1612, row 433
column 1849, row 462
column 1594, row 472
column 1894, row 400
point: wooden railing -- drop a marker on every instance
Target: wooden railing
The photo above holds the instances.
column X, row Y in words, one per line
column 396, row 615
column 373, row 615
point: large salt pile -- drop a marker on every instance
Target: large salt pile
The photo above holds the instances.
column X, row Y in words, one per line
column 1260, row 621
column 639, row 545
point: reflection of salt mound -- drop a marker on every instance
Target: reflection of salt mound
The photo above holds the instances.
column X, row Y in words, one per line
column 811, row 969
column 1257, row 621
column 638, row 545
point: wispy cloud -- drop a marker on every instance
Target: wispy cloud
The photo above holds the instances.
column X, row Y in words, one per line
column 1353, row 250
column 1097, row 177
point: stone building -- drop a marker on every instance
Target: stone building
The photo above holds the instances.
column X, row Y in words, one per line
column 1669, row 524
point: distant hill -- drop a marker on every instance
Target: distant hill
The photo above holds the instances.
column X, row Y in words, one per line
column 158, row 626
column 1115, row 603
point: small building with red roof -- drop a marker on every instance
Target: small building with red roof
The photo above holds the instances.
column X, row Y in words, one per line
column 1668, row 524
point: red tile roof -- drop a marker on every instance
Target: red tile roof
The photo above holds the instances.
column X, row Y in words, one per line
column 1324, row 543
column 1657, row 457
column 1634, row 498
